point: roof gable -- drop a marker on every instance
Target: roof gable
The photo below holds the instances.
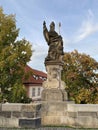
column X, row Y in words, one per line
column 36, row 76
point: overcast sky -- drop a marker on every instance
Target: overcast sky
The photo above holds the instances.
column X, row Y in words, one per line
column 78, row 18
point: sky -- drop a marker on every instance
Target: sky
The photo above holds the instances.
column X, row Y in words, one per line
column 79, row 25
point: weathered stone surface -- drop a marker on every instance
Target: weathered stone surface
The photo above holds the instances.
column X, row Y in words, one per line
column 28, row 107
column 16, row 114
column 56, row 113
column 0, row 106
column 55, row 121
column 5, row 114
column 51, row 120
column 53, row 107
column 12, row 107
column 54, row 77
column 9, row 122
column 30, row 123
column 38, row 107
column 38, row 113
column 72, row 114
column 10, row 117
column 87, row 122
column 54, row 95
column 82, row 107
column 31, row 107
column 86, row 113
column 52, row 112
column 28, row 114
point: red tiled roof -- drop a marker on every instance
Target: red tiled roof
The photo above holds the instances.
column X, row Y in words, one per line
column 36, row 76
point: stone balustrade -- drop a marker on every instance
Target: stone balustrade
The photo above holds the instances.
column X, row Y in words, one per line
column 49, row 113
column 20, row 115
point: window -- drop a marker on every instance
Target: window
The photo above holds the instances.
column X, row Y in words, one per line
column 35, row 77
column 33, row 92
column 38, row 92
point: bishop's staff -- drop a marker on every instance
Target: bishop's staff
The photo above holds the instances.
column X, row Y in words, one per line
column 59, row 27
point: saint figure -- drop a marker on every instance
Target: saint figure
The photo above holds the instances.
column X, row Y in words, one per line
column 54, row 41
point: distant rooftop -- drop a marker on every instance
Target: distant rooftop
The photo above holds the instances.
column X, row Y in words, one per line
column 36, row 76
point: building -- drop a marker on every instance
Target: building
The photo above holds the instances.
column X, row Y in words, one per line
column 33, row 84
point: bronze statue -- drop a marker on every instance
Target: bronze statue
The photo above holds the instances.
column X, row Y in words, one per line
column 54, row 41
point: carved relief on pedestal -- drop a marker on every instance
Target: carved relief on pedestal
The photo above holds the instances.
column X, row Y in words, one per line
column 53, row 77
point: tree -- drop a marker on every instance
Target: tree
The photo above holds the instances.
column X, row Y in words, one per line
column 80, row 73
column 19, row 94
column 14, row 54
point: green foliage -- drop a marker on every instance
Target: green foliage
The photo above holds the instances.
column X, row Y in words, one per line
column 0, row 97
column 19, row 94
column 81, row 77
column 14, row 54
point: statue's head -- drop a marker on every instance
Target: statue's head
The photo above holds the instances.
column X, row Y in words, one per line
column 52, row 26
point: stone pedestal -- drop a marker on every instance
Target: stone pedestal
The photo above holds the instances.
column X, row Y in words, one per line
column 52, row 112
column 54, row 96
column 54, row 87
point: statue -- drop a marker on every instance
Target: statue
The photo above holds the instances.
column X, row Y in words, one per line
column 54, row 87
column 55, row 43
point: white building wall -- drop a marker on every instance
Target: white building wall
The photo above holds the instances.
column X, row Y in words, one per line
column 31, row 92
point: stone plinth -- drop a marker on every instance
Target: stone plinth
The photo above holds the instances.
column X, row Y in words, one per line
column 54, row 95
column 54, row 76
column 54, row 87
column 54, row 113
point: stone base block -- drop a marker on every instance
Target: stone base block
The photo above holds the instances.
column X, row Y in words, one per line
column 54, row 95
column 54, row 113
column 30, row 123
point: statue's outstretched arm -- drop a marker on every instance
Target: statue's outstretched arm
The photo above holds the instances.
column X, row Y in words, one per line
column 45, row 32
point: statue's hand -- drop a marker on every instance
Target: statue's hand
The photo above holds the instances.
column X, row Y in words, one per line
column 44, row 23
